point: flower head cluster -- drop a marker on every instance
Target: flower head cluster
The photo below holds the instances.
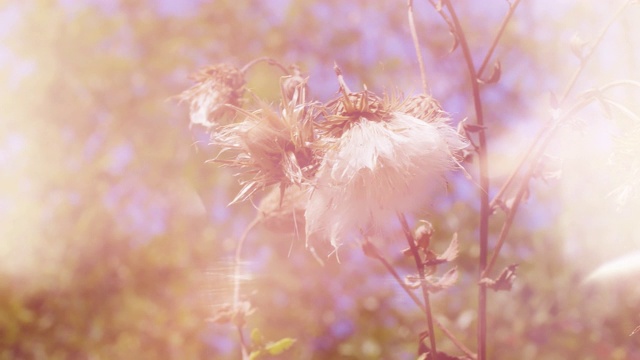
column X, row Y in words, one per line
column 271, row 147
column 382, row 160
column 358, row 160
column 215, row 87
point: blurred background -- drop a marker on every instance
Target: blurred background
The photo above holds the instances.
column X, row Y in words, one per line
column 116, row 240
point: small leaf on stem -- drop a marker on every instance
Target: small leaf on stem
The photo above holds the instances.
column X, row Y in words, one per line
column 549, row 168
column 474, row 128
column 280, row 346
column 504, row 281
column 495, row 74
column 467, row 156
column 446, row 281
column 423, row 234
column 412, row 281
column 452, row 251
column 432, row 259
column 578, row 46
column 456, row 42
column 224, row 314
column 256, row 337
column 370, row 250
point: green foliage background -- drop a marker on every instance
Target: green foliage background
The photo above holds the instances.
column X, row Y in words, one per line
column 115, row 236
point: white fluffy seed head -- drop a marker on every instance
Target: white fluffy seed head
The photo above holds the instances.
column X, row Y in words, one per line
column 377, row 169
column 215, row 87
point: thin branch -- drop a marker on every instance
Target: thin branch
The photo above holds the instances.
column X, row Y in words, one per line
column 514, row 207
column 571, row 83
column 623, row 109
column 505, row 229
column 505, row 21
column 416, row 44
column 266, row 59
column 551, row 125
column 244, row 349
column 537, row 153
column 521, row 163
column 236, row 284
column 485, row 211
column 376, row 254
column 587, row 57
column 619, row 83
column 423, row 285
column 587, row 96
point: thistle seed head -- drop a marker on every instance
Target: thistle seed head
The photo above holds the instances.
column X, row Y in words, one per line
column 216, row 86
column 384, row 162
column 271, row 147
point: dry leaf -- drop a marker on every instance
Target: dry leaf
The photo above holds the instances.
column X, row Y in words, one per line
column 504, row 281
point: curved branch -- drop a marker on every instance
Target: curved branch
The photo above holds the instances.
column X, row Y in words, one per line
column 505, row 21
column 377, row 255
column 552, row 128
column 416, row 44
column 266, row 59
column 619, row 83
column 423, row 285
column 236, row 283
column 587, row 57
column 484, row 181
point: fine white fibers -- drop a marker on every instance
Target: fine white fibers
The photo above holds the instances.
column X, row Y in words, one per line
column 377, row 169
column 206, row 100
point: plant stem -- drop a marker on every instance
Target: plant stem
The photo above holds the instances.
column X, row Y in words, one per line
column 423, row 285
column 266, row 59
column 505, row 21
column 587, row 57
column 244, row 349
column 549, row 131
column 376, row 253
column 416, row 44
column 485, row 211
column 239, row 321
column 535, row 156
column 521, row 163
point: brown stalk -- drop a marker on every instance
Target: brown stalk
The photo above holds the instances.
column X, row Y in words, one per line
column 423, row 285
column 416, row 44
column 549, row 135
column 568, row 88
column 485, row 210
column 587, row 57
column 516, row 171
column 525, row 180
column 376, row 253
column 505, row 21
column 266, row 59
column 236, row 284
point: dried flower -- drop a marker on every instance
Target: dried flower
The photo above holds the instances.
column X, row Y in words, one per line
column 216, row 86
column 378, row 161
column 504, row 281
column 271, row 147
column 433, row 283
column 423, row 107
